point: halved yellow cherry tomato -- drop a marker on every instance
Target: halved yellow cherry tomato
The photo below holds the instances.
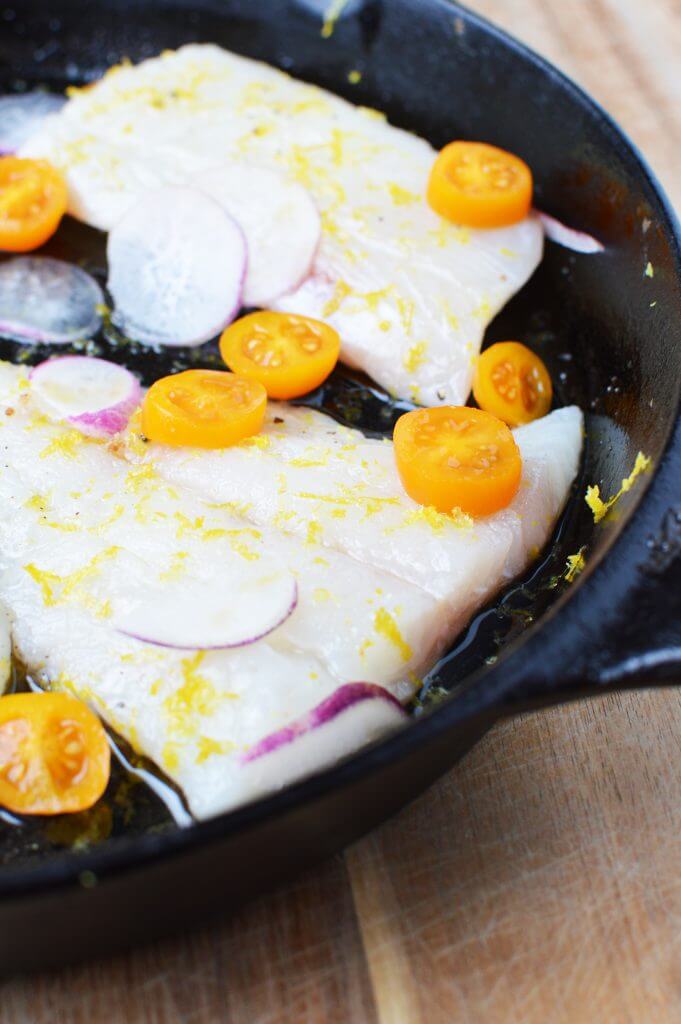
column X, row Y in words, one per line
column 512, row 383
column 455, row 457
column 290, row 355
column 54, row 754
column 33, row 199
column 203, row 409
column 480, row 186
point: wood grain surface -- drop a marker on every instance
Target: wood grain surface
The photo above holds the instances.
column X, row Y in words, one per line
column 539, row 882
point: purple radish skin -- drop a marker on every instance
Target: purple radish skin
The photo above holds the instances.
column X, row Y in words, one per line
column 94, row 395
column 561, row 234
column 239, row 641
column 341, row 700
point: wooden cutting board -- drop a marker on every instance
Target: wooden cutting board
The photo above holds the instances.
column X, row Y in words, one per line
column 540, row 881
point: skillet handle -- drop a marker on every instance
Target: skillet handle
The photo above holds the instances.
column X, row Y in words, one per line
column 622, row 628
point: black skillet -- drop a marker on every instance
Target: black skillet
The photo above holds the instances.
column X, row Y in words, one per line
column 612, row 337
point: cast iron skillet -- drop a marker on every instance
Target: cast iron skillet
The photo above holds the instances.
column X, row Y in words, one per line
column 612, row 337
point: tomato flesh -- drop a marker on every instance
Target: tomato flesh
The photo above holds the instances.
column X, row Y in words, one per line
column 54, row 754
column 203, row 409
column 512, row 382
column 290, row 355
column 456, row 457
column 480, row 186
column 33, row 198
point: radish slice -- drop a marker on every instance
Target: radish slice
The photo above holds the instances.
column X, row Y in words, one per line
column 353, row 716
column 46, row 300
column 568, row 237
column 341, row 700
column 177, row 263
column 203, row 617
column 21, row 115
column 96, row 396
column 280, row 222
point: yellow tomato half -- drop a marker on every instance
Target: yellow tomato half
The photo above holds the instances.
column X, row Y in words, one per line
column 512, row 383
column 290, row 355
column 203, row 409
column 480, row 186
column 456, row 457
column 33, row 199
column 54, row 754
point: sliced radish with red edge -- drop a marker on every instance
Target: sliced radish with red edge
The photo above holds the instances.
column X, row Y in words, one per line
column 199, row 616
column 280, row 222
column 353, row 716
column 96, row 396
column 341, row 701
column 177, row 263
column 561, row 234
column 48, row 301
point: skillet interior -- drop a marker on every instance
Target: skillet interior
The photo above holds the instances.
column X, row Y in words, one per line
column 433, row 70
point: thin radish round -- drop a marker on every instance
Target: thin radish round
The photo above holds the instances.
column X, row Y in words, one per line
column 353, row 716
column 177, row 263
column 96, row 396
column 341, row 700
column 561, row 234
column 22, row 114
column 46, row 300
column 197, row 616
column 280, row 222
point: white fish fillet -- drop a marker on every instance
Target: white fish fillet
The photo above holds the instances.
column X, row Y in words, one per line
column 311, row 476
column 86, row 526
column 409, row 292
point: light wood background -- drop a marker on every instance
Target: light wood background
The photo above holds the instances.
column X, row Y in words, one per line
column 540, row 881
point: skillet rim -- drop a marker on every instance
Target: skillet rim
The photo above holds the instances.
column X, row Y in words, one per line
column 128, row 854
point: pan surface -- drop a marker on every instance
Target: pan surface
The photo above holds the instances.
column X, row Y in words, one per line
column 611, row 336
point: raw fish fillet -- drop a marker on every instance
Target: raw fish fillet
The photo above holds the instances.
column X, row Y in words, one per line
column 311, row 476
column 410, row 293
column 88, row 527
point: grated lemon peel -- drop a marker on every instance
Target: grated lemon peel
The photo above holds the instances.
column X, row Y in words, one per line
column 601, row 508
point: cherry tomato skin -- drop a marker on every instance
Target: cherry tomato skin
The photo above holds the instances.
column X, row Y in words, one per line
column 290, row 355
column 512, row 382
column 480, row 186
column 54, row 754
column 456, row 457
column 33, row 198
column 203, row 409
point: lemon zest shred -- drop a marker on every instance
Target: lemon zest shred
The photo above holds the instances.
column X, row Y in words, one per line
column 575, row 564
column 260, row 441
column 314, row 533
column 386, row 626
column 66, row 443
column 601, row 508
column 415, row 356
column 331, row 16
column 170, row 756
column 208, row 747
column 340, row 293
column 402, row 196
column 138, row 476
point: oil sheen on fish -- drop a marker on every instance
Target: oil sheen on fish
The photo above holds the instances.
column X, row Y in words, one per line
column 409, row 292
